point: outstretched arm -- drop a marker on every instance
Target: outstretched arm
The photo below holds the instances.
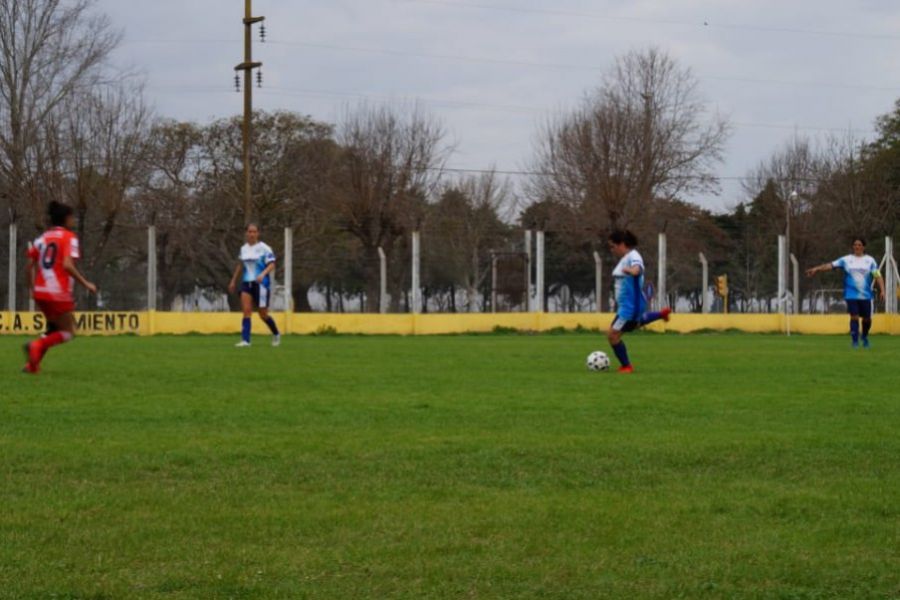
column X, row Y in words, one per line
column 818, row 268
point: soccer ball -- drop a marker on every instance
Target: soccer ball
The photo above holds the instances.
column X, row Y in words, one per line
column 597, row 361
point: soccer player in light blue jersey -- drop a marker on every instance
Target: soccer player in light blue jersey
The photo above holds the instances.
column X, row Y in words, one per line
column 860, row 275
column 257, row 260
column 631, row 304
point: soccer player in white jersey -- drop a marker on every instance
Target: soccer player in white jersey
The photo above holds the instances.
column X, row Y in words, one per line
column 860, row 273
column 631, row 303
column 257, row 260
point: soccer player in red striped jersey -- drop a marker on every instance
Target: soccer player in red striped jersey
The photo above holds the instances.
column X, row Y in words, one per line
column 52, row 274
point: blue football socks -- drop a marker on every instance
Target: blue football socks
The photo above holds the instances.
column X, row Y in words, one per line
column 245, row 329
column 272, row 326
column 649, row 317
column 621, row 353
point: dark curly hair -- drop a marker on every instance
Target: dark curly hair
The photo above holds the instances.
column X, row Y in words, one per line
column 623, row 236
column 58, row 213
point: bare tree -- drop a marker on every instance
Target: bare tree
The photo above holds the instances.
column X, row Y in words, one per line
column 391, row 164
column 787, row 199
column 858, row 194
column 461, row 230
column 645, row 134
column 169, row 200
column 50, row 50
column 106, row 137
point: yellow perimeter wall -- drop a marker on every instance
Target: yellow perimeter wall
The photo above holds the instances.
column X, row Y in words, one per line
column 150, row 323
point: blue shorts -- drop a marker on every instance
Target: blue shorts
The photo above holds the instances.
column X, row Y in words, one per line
column 860, row 308
column 260, row 293
column 624, row 325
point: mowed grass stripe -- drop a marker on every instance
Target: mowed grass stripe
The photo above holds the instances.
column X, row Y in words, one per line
column 487, row 466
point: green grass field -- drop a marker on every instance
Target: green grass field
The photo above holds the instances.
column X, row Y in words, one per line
column 493, row 466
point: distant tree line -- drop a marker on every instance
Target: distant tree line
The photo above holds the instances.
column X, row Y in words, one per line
column 631, row 155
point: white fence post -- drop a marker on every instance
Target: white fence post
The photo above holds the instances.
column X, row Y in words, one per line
column 151, row 267
column 795, row 296
column 888, row 268
column 782, row 278
column 598, row 280
column 13, row 243
column 416, row 262
column 382, row 274
column 539, row 283
column 288, row 270
column 661, row 293
column 493, row 282
column 704, row 287
column 529, row 302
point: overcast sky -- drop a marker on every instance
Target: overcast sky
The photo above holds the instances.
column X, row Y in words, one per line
column 493, row 70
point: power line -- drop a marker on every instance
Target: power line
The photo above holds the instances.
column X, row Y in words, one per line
column 300, row 92
column 542, row 65
column 705, row 24
column 561, row 66
column 437, row 101
column 520, row 173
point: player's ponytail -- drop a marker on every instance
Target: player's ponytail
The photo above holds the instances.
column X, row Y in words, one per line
column 58, row 213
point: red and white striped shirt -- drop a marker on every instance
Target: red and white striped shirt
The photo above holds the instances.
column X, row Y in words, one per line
column 52, row 281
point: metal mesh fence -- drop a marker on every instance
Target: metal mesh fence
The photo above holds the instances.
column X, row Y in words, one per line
column 173, row 269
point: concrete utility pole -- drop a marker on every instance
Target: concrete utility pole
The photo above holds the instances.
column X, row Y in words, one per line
column 416, row 272
column 704, row 286
column 247, row 67
column 151, row 268
column 539, row 279
column 11, row 290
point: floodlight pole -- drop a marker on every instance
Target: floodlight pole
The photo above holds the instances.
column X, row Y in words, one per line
column 247, row 67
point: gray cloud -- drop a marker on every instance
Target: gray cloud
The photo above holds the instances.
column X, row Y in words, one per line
column 773, row 67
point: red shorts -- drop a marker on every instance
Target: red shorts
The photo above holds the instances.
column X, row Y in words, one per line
column 54, row 309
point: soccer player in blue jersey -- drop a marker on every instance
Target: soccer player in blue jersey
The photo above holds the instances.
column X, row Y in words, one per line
column 630, row 301
column 257, row 260
column 860, row 274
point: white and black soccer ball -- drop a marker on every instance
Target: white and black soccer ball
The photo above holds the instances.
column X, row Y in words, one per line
column 598, row 361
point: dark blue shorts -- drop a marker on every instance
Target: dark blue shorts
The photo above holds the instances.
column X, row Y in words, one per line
column 260, row 293
column 624, row 325
column 860, row 308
